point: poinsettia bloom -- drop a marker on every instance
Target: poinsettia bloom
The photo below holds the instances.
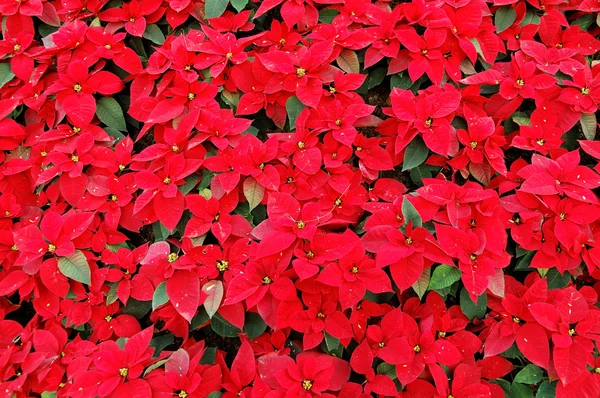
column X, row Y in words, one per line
column 421, row 55
column 583, row 92
column 299, row 73
column 430, row 114
column 542, row 135
column 55, row 235
column 213, row 215
column 134, row 14
column 465, row 383
column 309, row 376
column 354, row 274
column 74, row 90
column 563, row 176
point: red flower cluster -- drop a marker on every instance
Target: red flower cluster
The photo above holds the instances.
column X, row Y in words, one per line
column 360, row 198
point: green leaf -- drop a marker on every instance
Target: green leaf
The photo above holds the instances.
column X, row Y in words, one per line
column 471, row 309
column 161, row 342
column 215, row 8
column 112, row 296
column 200, row 319
column 114, row 133
column 531, row 18
column 49, row 394
column 239, row 5
column 520, row 391
column 209, row 356
column 443, row 277
column 423, row 171
column 410, row 213
column 504, row 18
column 584, row 22
column 75, row 267
column 556, row 280
column 332, row 346
column 160, row 232
column 137, row 309
column 110, row 113
column 293, row 107
column 254, row 192
column 215, row 394
column 6, row 74
column 387, row 369
column 160, row 296
column 421, row 285
column 254, row 326
column 530, row 374
column 546, row 390
column 588, row 125
column 521, row 119
column 222, row 327
column 416, row 153
column 401, row 80
column 327, row 16
column 376, row 77
column 155, row 366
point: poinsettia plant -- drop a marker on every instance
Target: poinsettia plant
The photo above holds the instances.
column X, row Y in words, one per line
column 297, row 198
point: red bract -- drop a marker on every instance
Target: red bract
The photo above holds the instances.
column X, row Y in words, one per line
column 299, row 198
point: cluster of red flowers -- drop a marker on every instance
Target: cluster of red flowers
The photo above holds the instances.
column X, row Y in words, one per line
column 288, row 198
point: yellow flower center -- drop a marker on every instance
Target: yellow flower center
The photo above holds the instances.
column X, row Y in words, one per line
column 167, row 180
column 51, row 248
column 123, row 372
column 229, row 55
column 442, row 334
column 14, row 248
column 381, row 345
column 332, row 90
column 338, row 202
column 188, row 68
column 44, row 153
column 473, row 257
column 338, row 122
column 261, row 166
column 516, row 319
column 182, row 394
column 408, row 241
column 571, row 332
column 300, row 224
column 77, row 87
column 108, row 46
column 301, row 145
column 108, row 318
column 172, row 257
column 417, row 348
column 175, row 148
column 310, row 254
column 320, row 315
column 520, row 82
column 428, row 122
column 191, row 96
column 121, row 167
column 540, row 142
column 222, row 265
column 114, row 198
column 585, row 91
column 267, row 280
column 307, row 384
column 17, row 47
column 354, row 270
column 473, row 144
column 300, row 72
